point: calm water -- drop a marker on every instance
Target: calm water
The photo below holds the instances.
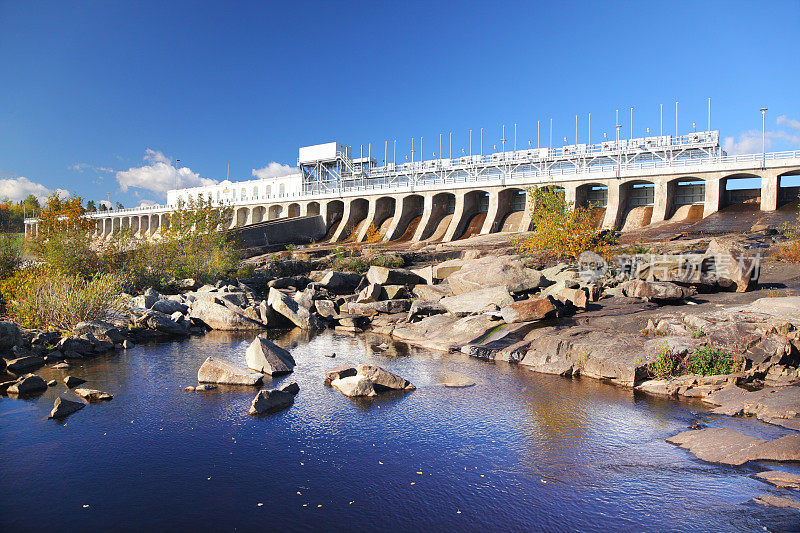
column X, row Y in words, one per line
column 518, row 451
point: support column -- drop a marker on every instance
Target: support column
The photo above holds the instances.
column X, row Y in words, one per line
column 662, row 200
column 713, row 196
column 458, row 218
column 525, row 224
column 369, row 220
column 770, row 187
column 346, row 214
column 492, row 214
column 570, row 193
column 427, row 213
column 613, row 205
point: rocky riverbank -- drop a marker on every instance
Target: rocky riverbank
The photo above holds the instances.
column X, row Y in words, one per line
column 615, row 321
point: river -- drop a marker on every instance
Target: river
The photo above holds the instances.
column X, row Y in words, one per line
column 518, row 451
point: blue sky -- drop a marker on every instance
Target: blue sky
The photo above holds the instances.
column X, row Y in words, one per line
column 101, row 98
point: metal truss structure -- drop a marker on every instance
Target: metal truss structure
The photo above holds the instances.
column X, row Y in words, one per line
column 341, row 174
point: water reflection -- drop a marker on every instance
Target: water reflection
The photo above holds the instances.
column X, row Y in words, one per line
column 517, row 450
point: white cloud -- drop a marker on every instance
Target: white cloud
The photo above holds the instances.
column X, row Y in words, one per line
column 792, row 123
column 20, row 187
column 160, row 175
column 274, row 170
column 749, row 142
column 81, row 167
column 106, row 203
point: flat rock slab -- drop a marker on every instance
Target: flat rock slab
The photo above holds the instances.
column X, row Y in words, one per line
column 726, row 446
column 782, row 480
column 215, row 370
column 777, row 501
column 445, row 333
column 353, row 386
column 383, row 378
column 93, row 395
column 767, row 403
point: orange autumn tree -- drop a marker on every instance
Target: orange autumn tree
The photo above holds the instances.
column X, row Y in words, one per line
column 63, row 242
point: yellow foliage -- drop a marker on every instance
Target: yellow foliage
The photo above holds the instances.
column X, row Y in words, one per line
column 373, row 234
column 561, row 228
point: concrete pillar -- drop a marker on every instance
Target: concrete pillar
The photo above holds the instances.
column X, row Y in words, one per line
column 346, row 215
column 406, row 208
column 615, row 204
column 713, row 196
column 459, row 218
column 570, row 193
column 493, row 213
column 662, row 199
column 144, row 225
column 525, row 224
column 427, row 215
column 770, row 187
column 370, row 219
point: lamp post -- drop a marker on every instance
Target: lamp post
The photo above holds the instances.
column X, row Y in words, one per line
column 763, row 138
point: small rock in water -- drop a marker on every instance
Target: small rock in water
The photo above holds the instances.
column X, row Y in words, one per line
column 291, row 388
column 331, row 355
column 127, row 344
column 458, row 381
column 93, row 395
column 205, row 387
column 61, row 365
column 354, row 386
column 62, row 408
column 52, row 383
column 189, row 389
column 72, row 381
column 269, row 401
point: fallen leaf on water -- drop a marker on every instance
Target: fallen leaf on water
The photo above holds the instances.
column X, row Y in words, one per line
column 260, row 504
column 85, row 506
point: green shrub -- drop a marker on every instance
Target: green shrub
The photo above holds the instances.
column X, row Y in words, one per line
column 47, row 298
column 712, row 360
column 666, row 364
column 10, row 254
column 359, row 264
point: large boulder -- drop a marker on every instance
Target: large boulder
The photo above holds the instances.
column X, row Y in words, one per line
column 374, row 308
column 267, row 401
column 285, row 306
column 477, row 301
column 29, row 384
column 444, row 269
column 340, row 282
column 506, row 270
column 62, row 408
column 162, row 323
column 393, row 276
column 169, row 306
column 22, row 364
column 370, row 293
column 444, row 332
column 732, row 265
column 215, row 370
column 9, row 336
column 383, row 378
column 354, row 386
column 265, row 356
column 431, row 292
column 222, row 317
column 656, row 290
column 528, row 310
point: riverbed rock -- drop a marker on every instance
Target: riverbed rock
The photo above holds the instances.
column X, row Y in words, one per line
column 508, row 271
column 392, row 276
column 382, row 378
column 782, row 480
column 373, row 308
column 325, row 308
column 93, row 395
column 158, row 321
column 291, row 388
column 732, row 264
column 444, row 269
column 265, row 356
column 221, row 317
column 268, row 401
column 62, row 408
column 72, row 381
column 9, row 336
column 432, row 293
column 663, row 291
column 528, row 310
column 444, row 332
column 23, row 364
column 457, row 382
column 353, row 386
column 777, row 501
column 477, row 301
column 425, row 308
column 28, row 384
column 370, row 293
column 727, row 446
column 343, row 371
column 170, row 306
column 215, row 370
column 767, row 403
column 340, row 282
column 285, row 306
